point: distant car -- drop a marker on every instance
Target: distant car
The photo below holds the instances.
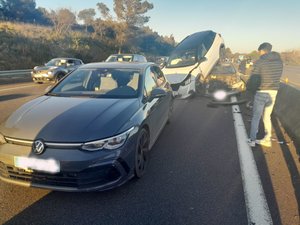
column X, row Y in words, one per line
column 224, row 76
column 126, row 58
column 54, row 70
column 92, row 131
column 192, row 60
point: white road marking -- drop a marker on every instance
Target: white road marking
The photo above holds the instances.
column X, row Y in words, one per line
column 18, row 87
column 258, row 212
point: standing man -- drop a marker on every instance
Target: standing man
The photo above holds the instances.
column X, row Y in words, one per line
column 269, row 70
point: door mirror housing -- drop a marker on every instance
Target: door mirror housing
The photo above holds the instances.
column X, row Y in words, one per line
column 157, row 93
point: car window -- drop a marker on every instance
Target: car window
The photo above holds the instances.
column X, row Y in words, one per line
column 76, row 81
column 100, row 82
column 208, row 40
column 202, row 50
column 53, row 62
column 150, row 82
column 187, row 57
column 223, row 69
column 78, row 62
column 71, row 62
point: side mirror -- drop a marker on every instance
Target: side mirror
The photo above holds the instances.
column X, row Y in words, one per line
column 157, row 93
column 202, row 59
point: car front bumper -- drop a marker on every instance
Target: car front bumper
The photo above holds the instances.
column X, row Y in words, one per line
column 79, row 170
column 184, row 90
column 39, row 77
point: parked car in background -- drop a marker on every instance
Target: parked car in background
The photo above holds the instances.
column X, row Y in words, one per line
column 192, row 60
column 161, row 60
column 92, row 131
column 54, row 70
column 126, row 58
column 225, row 76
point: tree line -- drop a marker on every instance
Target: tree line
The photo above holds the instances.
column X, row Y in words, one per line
column 121, row 29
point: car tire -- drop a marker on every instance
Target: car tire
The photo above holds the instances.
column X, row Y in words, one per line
column 141, row 153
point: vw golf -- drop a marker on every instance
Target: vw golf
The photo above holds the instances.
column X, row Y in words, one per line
column 91, row 131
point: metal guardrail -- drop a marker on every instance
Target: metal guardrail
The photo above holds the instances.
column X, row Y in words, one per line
column 15, row 72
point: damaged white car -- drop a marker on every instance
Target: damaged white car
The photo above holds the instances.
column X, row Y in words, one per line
column 192, row 60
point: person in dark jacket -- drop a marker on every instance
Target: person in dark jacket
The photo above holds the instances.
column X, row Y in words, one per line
column 268, row 70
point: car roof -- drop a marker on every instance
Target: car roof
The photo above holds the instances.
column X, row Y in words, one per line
column 194, row 39
column 118, row 65
column 65, row 58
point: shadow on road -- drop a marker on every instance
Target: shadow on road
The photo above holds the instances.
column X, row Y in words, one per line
column 291, row 164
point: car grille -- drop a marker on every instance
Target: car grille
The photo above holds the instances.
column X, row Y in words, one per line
column 91, row 177
column 41, row 72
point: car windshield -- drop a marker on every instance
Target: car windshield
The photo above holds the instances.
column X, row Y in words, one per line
column 223, row 69
column 102, row 83
column 56, row 62
column 182, row 58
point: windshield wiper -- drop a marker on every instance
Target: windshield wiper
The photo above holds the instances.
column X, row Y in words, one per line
column 51, row 94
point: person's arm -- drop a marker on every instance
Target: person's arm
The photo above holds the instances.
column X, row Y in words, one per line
column 254, row 81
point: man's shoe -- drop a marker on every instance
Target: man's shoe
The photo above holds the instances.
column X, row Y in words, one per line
column 264, row 142
column 251, row 143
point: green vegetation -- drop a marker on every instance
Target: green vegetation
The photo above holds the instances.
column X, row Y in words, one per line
column 30, row 36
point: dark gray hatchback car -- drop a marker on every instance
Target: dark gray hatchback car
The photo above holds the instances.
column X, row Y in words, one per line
column 91, row 131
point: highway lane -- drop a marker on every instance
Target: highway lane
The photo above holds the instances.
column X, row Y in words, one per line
column 193, row 178
column 292, row 74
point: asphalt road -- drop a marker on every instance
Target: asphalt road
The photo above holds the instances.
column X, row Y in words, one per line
column 292, row 74
column 193, row 177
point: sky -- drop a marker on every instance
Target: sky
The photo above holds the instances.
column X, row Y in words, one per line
column 243, row 24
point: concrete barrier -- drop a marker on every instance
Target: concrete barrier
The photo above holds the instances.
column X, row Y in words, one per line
column 287, row 109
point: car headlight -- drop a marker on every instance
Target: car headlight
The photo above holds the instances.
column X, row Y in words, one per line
column 220, row 95
column 49, row 72
column 2, row 139
column 108, row 143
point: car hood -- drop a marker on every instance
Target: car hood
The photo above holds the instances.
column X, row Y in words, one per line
column 42, row 68
column 65, row 119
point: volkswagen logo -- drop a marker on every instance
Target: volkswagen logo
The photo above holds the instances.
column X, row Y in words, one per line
column 38, row 147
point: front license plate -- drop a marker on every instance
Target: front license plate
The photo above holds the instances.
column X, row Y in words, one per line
column 30, row 164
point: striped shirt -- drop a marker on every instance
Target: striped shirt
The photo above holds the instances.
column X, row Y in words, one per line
column 269, row 67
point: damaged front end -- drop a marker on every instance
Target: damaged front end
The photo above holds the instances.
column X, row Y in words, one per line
column 183, row 86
